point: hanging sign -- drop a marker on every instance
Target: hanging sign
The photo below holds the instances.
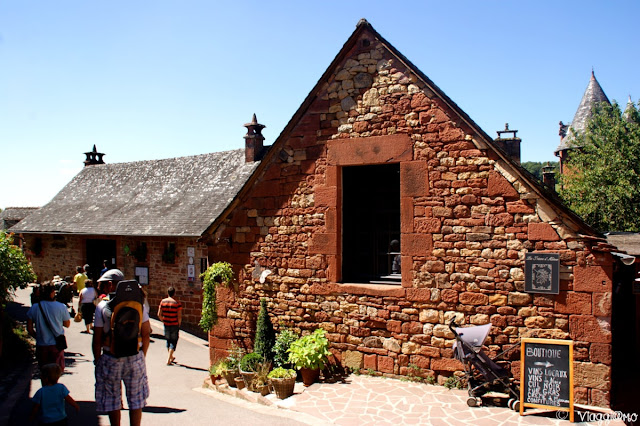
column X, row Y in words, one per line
column 542, row 273
column 546, row 374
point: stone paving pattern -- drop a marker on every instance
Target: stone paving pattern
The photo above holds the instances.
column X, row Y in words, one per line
column 364, row 400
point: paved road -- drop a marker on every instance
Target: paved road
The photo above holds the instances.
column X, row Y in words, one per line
column 175, row 396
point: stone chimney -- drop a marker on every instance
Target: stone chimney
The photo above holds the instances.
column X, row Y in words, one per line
column 549, row 176
column 253, row 141
column 93, row 157
column 510, row 145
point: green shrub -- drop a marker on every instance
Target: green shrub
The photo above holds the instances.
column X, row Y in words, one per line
column 250, row 362
column 284, row 339
column 265, row 334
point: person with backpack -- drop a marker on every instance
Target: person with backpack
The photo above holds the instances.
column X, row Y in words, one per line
column 170, row 313
column 121, row 337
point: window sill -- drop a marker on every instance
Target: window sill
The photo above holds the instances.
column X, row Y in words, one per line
column 391, row 290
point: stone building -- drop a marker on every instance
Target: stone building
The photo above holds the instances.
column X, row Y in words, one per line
column 383, row 213
column 12, row 215
column 144, row 217
column 378, row 154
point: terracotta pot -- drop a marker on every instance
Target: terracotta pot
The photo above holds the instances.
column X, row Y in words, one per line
column 248, row 377
column 214, row 378
column 263, row 390
column 230, row 376
column 309, row 376
column 239, row 381
column 283, row 388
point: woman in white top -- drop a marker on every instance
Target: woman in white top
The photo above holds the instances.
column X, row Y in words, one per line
column 86, row 305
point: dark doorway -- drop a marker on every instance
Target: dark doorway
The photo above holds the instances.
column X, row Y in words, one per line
column 97, row 252
column 625, row 334
column 371, row 223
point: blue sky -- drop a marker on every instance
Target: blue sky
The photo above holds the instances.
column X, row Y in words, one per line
column 158, row 79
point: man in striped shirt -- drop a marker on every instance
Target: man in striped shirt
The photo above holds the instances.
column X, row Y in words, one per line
column 170, row 313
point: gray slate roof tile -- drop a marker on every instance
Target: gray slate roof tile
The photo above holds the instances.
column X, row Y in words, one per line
column 170, row 197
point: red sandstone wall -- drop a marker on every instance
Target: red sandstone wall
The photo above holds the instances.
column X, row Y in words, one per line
column 467, row 223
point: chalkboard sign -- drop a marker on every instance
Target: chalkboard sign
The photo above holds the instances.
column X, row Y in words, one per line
column 546, row 374
column 542, row 273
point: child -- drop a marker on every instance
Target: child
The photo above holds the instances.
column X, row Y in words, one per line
column 49, row 399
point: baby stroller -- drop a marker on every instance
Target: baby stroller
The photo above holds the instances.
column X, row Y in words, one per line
column 483, row 374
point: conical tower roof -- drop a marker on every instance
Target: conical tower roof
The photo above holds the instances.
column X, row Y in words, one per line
column 629, row 111
column 594, row 94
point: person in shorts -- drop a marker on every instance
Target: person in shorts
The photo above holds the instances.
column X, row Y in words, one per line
column 45, row 321
column 111, row 371
column 170, row 313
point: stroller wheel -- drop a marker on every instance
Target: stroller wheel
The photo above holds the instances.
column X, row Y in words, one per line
column 474, row 402
column 514, row 404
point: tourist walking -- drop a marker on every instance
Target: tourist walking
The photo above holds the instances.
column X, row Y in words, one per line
column 79, row 279
column 49, row 317
column 86, row 304
column 113, row 366
column 170, row 313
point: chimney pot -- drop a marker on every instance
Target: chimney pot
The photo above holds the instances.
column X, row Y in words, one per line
column 253, row 140
column 93, row 157
column 510, row 145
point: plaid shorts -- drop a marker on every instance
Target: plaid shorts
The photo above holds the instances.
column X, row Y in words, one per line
column 110, row 372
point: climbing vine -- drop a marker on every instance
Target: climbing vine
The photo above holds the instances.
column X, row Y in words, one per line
column 218, row 273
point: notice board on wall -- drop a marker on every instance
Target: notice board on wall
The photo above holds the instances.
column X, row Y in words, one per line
column 546, row 374
column 542, row 273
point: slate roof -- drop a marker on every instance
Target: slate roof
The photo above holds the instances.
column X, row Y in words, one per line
column 592, row 95
column 12, row 215
column 628, row 242
column 171, row 197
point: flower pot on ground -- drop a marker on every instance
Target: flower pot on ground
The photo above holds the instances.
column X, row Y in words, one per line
column 248, row 368
column 239, row 382
column 229, row 365
column 262, row 390
column 282, row 380
column 261, row 379
column 310, row 375
column 310, row 352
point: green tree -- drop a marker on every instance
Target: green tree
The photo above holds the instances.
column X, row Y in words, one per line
column 265, row 334
column 602, row 178
column 535, row 167
column 15, row 269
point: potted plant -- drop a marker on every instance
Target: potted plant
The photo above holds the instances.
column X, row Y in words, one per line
column 309, row 355
column 248, row 366
column 283, row 380
column 217, row 369
column 261, row 380
column 231, row 362
column 219, row 272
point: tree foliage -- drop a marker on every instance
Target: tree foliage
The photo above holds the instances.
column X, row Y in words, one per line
column 15, row 270
column 601, row 182
column 265, row 334
column 535, row 167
